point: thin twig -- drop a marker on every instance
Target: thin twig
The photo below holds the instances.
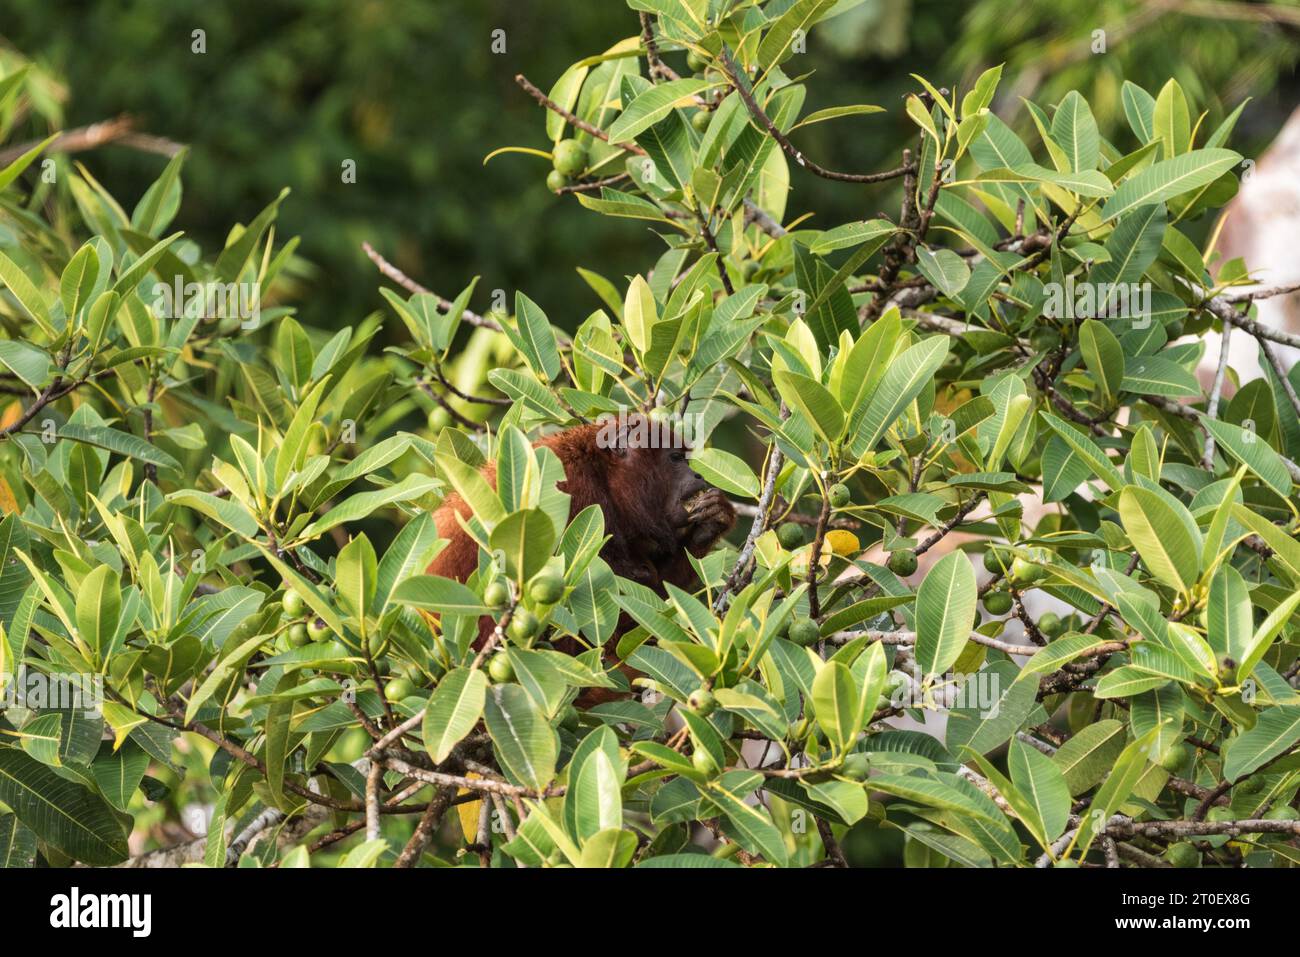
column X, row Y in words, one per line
column 570, row 117
column 742, row 571
column 652, row 50
column 374, row 777
column 428, row 826
column 732, row 72
column 1212, row 411
column 1271, row 355
column 410, row 285
column 117, row 130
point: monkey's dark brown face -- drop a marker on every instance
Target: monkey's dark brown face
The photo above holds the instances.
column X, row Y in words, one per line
column 685, row 481
column 665, row 477
column 660, row 494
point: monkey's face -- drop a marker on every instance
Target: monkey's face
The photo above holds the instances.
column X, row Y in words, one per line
column 685, row 481
column 653, row 461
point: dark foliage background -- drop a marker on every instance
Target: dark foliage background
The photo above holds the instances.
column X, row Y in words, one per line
column 411, row 91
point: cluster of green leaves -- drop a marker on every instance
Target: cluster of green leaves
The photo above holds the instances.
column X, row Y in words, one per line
column 226, row 520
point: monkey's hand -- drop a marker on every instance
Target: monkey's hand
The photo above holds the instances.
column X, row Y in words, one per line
column 709, row 516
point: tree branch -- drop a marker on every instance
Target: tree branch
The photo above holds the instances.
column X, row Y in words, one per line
column 732, row 72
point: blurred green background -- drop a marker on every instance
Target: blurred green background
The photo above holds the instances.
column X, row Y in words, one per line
column 412, row 92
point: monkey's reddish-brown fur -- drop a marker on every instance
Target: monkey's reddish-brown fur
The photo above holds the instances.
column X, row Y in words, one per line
column 639, row 490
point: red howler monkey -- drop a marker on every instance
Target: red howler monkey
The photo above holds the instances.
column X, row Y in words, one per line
column 641, row 488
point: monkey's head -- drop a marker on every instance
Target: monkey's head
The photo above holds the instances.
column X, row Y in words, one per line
column 651, row 478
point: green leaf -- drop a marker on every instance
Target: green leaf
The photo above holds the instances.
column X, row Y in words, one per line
column 612, row 847
column 232, row 259
column 525, row 743
column 358, row 506
column 1264, row 635
column 1075, row 129
column 754, row 828
column 836, row 705
column 411, row 551
column 937, row 791
column 946, row 270
column 778, row 41
column 1129, row 680
column 454, row 708
column 1087, row 449
column 356, row 573
column 526, row 538
column 276, row 728
column 1286, row 550
column 565, row 93
column 1056, row 654
column 1251, row 451
column 130, row 277
column 813, row 400
column 28, row 363
column 61, row 811
column 1171, row 120
column 293, row 449
column 365, row 855
column 229, row 513
column 1133, row 245
column 1139, row 109
column 835, row 112
column 1168, row 546
column 652, row 106
column 28, row 296
column 1044, row 804
column 872, row 231
column 14, row 169
column 114, row 441
column 639, row 313
column 1086, row 758
column 294, row 352
column 99, row 608
column 903, row 381
column 595, row 785
column 1156, row 375
column 986, row 721
column 981, row 94
column 231, row 662
column 1104, row 356
column 434, row 593
column 536, row 337
column 1088, row 183
column 78, row 280
column 1128, row 769
column 161, row 200
column 1169, row 178
column 726, row 471
column 524, row 387
column 1276, row 729
column 945, row 613
column 17, row 843
column 1228, row 616
column 470, row 483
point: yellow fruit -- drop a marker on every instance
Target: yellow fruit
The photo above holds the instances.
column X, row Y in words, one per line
column 843, row 542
